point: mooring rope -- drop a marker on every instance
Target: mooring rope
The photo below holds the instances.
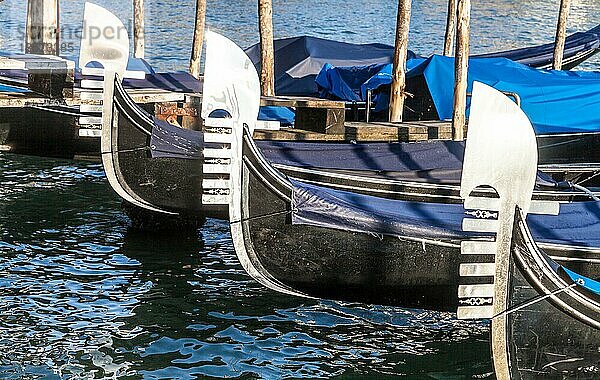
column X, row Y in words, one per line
column 57, row 111
column 264, row 216
column 591, row 177
column 539, row 299
column 586, row 190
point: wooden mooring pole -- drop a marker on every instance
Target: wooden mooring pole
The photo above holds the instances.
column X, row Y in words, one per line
column 198, row 38
column 397, row 93
column 267, row 53
column 42, row 32
column 450, row 27
column 561, row 34
column 461, row 67
column 138, row 29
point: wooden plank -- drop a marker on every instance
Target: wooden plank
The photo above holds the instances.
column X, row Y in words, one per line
column 290, row 101
column 19, row 100
column 267, row 53
column 388, row 133
column 293, row 134
column 322, row 120
column 397, row 92
column 301, row 101
column 11, row 64
column 35, row 62
column 363, row 132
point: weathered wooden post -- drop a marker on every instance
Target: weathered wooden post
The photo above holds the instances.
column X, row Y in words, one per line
column 198, row 38
column 267, row 73
column 398, row 71
column 461, row 67
column 450, row 26
column 561, row 32
column 138, row 29
column 43, row 33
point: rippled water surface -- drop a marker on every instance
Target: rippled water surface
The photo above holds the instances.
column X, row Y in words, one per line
column 81, row 295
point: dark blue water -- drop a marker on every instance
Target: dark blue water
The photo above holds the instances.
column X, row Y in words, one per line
column 83, row 296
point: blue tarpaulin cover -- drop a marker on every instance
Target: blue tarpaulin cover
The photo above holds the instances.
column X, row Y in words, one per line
column 554, row 101
column 7, row 88
column 284, row 115
column 577, row 224
column 586, row 283
column 298, row 60
column 434, row 161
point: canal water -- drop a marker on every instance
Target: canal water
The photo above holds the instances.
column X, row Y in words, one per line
column 84, row 296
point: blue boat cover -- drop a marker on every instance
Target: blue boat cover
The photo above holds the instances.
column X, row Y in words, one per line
column 428, row 161
column 169, row 141
column 578, row 223
column 133, row 64
column 284, row 115
column 298, row 60
column 375, row 157
column 586, row 283
column 179, row 81
column 554, row 101
column 13, row 89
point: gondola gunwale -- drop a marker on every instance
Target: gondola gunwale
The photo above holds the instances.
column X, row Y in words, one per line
column 403, row 189
column 547, row 281
column 125, row 105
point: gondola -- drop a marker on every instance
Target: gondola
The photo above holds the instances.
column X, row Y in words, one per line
column 210, row 194
column 66, row 131
column 308, row 240
column 545, row 316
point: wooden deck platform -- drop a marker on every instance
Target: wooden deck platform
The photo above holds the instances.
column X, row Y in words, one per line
column 313, row 114
column 35, row 62
column 142, row 96
column 367, row 132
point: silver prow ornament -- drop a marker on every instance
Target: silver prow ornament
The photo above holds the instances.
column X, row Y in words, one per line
column 112, row 52
column 501, row 152
column 231, row 84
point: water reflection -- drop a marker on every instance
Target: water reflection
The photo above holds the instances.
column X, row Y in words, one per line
column 205, row 317
column 83, row 296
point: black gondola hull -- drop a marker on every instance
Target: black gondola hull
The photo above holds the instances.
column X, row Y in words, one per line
column 552, row 322
column 339, row 264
